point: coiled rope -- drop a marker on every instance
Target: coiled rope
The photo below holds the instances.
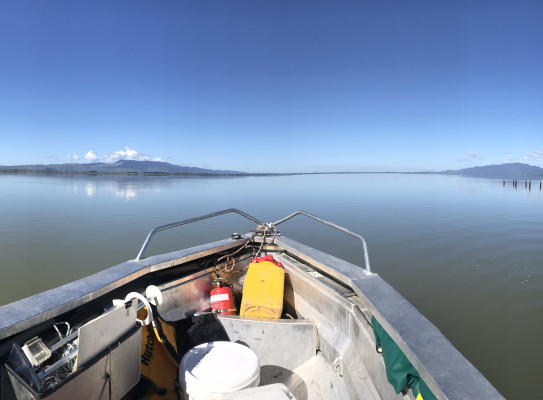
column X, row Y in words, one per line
column 263, row 230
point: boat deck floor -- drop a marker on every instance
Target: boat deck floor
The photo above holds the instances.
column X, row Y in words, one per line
column 316, row 379
column 287, row 353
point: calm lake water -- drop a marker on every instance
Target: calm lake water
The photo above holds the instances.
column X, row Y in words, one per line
column 466, row 252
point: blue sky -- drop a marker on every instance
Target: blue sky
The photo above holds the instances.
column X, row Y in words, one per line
column 273, row 86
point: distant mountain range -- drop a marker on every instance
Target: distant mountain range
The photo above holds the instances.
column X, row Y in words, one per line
column 503, row 171
column 119, row 167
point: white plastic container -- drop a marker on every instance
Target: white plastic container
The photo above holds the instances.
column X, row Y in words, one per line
column 210, row 370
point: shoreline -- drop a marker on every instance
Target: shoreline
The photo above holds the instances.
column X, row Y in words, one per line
column 138, row 173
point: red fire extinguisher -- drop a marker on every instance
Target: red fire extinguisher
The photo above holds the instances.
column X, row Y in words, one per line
column 222, row 299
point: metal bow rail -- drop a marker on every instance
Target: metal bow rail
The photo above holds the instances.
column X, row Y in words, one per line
column 367, row 269
column 188, row 221
column 367, row 266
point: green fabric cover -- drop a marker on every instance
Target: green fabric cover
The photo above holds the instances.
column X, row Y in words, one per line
column 400, row 372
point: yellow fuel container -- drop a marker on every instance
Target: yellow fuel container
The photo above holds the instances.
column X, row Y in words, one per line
column 263, row 289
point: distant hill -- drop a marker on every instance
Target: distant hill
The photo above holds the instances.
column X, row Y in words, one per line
column 119, row 167
column 503, row 171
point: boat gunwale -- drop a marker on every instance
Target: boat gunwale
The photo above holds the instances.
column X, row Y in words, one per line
column 31, row 311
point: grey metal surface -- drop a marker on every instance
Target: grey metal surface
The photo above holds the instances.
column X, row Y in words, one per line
column 339, row 269
column 362, row 365
column 340, row 338
column 314, row 380
column 188, row 221
column 322, row 382
column 23, row 314
column 63, row 341
column 324, row 307
column 276, row 391
column 284, row 343
column 335, row 226
column 100, row 333
column 184, row 297
column 444, row 369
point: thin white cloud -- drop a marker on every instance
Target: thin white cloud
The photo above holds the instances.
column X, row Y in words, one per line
column 475, row 155
column 536, row 155
column 533, row 157
column 470, row 157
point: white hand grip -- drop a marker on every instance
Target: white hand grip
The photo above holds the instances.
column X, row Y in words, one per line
column 136, row 295
column 154, row 295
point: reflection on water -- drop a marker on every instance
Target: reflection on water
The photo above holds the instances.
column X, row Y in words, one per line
column 124, row 189
column 90, row 188
column 120, row 186
column 466, row 252
column 123, row 186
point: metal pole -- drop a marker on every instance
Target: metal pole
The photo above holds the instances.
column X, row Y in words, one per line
column 367, row 269
column 188, row 221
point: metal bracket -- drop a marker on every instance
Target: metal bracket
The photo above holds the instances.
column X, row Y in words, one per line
column 338, row 366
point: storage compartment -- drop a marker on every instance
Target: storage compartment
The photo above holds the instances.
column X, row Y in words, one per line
column 101, row 359
column 110, row 376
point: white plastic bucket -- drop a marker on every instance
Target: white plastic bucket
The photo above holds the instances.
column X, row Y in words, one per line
column 210, row 370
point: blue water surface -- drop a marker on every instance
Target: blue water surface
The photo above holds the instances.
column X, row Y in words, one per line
column 467, row 252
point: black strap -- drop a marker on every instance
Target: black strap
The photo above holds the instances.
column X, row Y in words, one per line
column 158, row 390
column 190, row 332
column 158, row 325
